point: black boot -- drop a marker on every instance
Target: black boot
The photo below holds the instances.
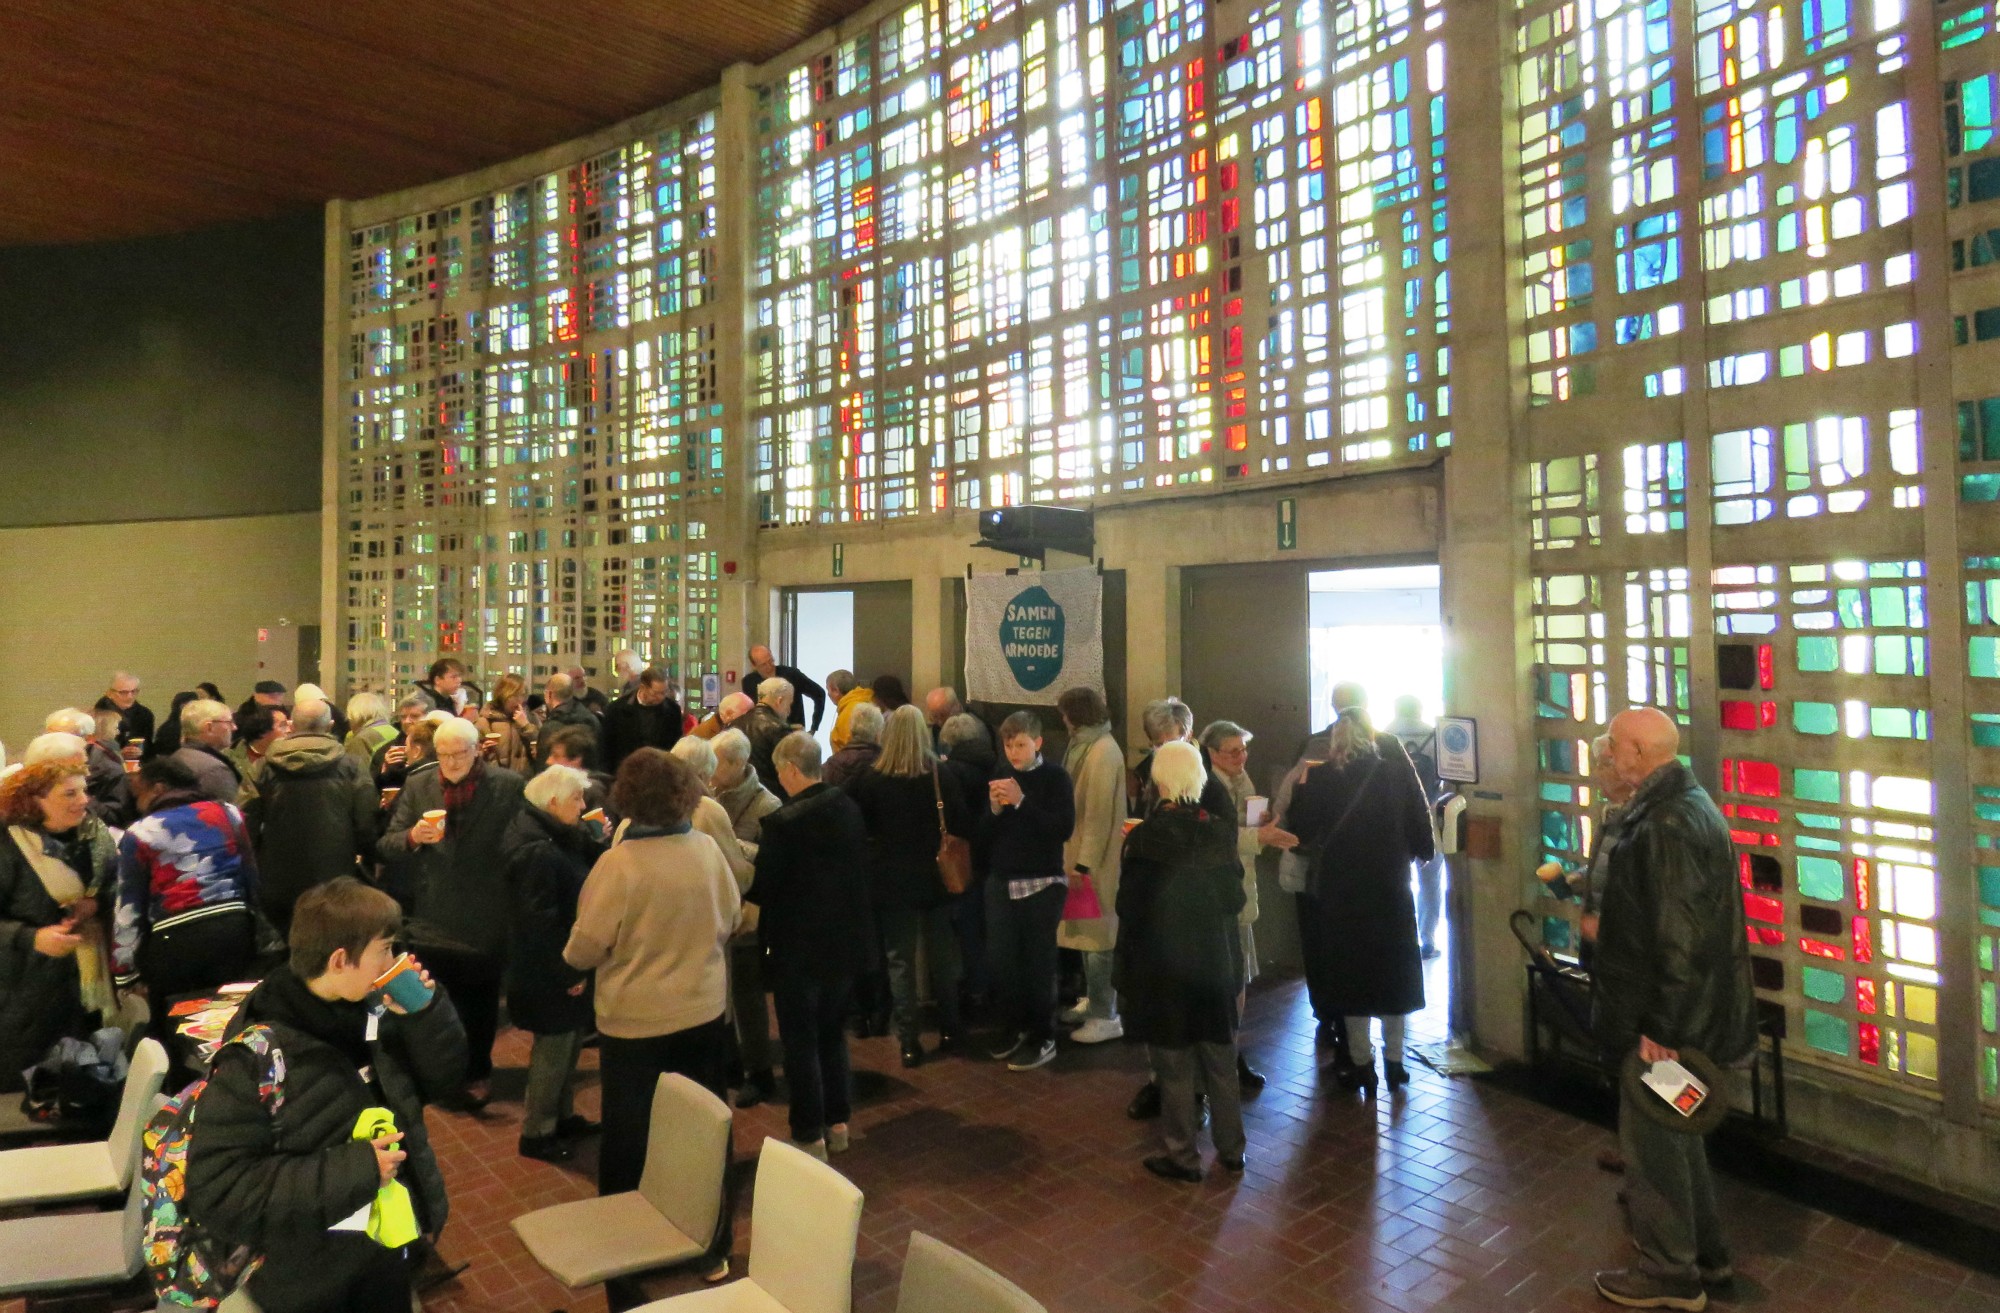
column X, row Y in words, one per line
column 1248, row 1078
column 1396, row 1074
column 1358, row 1078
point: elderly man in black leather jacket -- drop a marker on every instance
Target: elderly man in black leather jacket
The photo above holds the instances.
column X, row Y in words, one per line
column 1672, row 971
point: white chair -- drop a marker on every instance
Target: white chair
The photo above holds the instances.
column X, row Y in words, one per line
column 804, row 1222
column 940, row 1279
column 63, row 1173
column 75, row 1251
column 670, row 1218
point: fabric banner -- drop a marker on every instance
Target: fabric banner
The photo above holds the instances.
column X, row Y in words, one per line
column 1031, row 638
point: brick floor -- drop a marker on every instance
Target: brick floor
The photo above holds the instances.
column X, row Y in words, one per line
column 1453, row 1196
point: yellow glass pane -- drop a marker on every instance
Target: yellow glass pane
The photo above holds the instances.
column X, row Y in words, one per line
column 1922, row 1051
column 1920, row 1004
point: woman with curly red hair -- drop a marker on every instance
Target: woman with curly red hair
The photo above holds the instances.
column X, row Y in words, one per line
column 55, row 862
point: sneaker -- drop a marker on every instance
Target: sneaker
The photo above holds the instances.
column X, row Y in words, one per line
column 1098, row 1030
column 720, row 1272
column 817, row 1148
column 1145, row 1104
column 1030, row 1058
column 1075, row 1013
column 1006, row 1050
column 837, row 1140
column 1632, row 1288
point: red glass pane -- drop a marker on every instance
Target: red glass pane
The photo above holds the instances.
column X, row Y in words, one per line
column 1742, row 866
column 1759, row 778
column 1861, row 883
column 1728, row 775
column 1871, row 1043
column 1820, row 948
column 1766, row 666
column 1751, row 812
column 1864, row 996
column 1765, row 934
column 1864, row 941
column 1767, row 714
column 1760, row 908
column 1739, row 715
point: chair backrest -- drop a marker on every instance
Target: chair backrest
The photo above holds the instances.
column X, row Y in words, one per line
column 803, row 1226
column 143, row 1077
column 940, row 1279
column 687, row 1156
column 134, row 1244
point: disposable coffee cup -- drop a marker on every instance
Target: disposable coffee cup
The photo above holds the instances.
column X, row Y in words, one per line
column 389, row 797
column 595, row 814
column 437, row 816
column 405, row 985
column 1256, row 810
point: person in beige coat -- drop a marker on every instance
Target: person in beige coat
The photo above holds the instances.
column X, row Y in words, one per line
column 507, row 734
column 1096, row 767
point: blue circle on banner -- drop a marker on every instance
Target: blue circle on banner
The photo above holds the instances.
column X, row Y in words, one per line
column 1456, row 739
column 1031, row 638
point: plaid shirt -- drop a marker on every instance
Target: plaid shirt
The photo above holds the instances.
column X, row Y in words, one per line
column 1019, row 889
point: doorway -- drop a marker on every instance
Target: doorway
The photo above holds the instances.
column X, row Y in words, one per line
column 864, row 628
column 1263, row 645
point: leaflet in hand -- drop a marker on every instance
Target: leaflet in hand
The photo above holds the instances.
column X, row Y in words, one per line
column 1681, row 1089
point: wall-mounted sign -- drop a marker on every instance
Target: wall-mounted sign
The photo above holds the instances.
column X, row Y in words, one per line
column 1032, row 637
column 1288, row 523
column 1458, row 749
column 839, row 559
column 711, row 689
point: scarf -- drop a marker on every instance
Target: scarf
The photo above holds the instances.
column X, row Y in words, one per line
column 458, row 796
column 48, row 857
column 1079, row 743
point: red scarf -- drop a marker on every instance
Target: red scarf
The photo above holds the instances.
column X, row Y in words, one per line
column 459, row 795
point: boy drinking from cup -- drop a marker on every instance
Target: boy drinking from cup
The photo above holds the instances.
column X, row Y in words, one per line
column 298, row 1188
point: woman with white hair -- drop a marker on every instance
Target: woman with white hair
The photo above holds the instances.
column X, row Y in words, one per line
column 549, row 855
column 369, row 727
column 1179, row 960
column 738, row 787
column 445, row 840
column 748, row 1013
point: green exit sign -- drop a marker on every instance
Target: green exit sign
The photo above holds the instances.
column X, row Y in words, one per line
column 839, row 560
column 1288, row 523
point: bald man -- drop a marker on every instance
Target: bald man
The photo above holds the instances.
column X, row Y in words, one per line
column 764, row 666
column 1672, row 972
column 732, row 708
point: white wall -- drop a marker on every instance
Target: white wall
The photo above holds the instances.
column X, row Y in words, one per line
column 173, row 601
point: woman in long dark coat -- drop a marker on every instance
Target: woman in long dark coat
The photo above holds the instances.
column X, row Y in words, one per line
column 549, row 856
column 1178, row 964
column 1362, row 815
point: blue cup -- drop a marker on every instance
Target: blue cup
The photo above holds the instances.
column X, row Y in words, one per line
column 405, row 984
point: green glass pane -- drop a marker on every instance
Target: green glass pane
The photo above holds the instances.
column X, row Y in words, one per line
column 1821, row 878
column 1989, row 885
column 1986, row 1007
column 1992, row 1072
column 1891, row 723
column 1816, row 785
column 1892, row 654
column 1985, row 657
column 1817, row 844
column 1819, row 820
column 1815, row 718
column 1825, row 1033
column 1823, row 986
column 1887, row 608
column 1820, row 652
column 1847, row 601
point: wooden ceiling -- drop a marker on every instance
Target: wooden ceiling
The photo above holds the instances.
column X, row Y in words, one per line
column 125, row 119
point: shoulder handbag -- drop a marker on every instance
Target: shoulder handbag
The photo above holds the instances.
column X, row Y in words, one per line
column 954, row 855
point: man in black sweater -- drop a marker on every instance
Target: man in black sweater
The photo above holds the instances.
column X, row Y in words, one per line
column 1033, row 809
column 644, row 718
column 296, row 1186
column 763, row 666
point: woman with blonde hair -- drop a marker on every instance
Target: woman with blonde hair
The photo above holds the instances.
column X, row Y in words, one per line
column 509, row 734
column 1362, row 814
column 56, row 863
column 907, row 809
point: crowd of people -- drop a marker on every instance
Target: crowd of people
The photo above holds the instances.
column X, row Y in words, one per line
column 604, row 868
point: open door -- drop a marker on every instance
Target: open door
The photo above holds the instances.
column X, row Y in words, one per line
column 1246, row 656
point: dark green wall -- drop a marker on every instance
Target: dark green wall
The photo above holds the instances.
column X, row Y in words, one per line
column 168, row 378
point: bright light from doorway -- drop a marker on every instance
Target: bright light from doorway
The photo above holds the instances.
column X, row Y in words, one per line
column 1382, row 628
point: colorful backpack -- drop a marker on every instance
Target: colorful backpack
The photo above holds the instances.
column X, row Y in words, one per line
column 188, row 1269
